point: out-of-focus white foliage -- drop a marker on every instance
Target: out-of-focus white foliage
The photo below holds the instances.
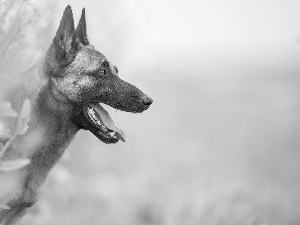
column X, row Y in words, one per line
column 20, row 25
column 4, row 207
column 23, row 120
column 6, row 110
column 24, row 117
column 13, row 164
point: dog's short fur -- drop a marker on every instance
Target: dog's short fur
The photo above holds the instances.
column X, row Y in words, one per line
column 65, row 91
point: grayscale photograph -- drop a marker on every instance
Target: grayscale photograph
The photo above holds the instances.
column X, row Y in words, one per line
column 135, row 112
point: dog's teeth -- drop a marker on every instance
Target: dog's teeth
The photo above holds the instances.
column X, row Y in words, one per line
column 112, row 134
column 104, row 129
column 91, row 113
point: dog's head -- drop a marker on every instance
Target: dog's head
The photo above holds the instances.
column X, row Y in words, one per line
column 85, row 78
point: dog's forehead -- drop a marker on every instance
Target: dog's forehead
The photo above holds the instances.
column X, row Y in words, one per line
column 89, row 58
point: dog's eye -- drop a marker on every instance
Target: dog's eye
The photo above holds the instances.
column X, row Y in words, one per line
column 105, row 63
column 102, row 71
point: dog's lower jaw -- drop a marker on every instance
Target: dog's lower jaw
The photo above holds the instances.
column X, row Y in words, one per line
column 80, row 120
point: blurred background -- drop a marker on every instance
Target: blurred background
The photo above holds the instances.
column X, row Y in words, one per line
column 220, row 144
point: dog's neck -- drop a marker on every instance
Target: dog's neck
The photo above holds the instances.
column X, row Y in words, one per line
column 52, row 115
column 56, row 132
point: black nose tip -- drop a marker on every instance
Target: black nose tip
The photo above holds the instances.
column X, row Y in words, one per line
column 147, row 101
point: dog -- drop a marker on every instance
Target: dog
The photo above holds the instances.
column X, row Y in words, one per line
column 66, row 91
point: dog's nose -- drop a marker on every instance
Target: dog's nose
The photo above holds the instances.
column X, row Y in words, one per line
column 147, row 101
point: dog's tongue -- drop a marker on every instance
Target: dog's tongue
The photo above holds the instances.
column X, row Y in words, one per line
column 108, row 122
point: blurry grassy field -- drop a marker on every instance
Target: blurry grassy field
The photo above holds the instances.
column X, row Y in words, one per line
column 219, row 145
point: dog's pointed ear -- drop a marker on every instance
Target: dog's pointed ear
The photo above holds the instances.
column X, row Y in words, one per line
column 65, row 42
column 81, row 29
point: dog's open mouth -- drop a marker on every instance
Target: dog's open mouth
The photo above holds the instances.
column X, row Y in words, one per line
column 102, row 124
